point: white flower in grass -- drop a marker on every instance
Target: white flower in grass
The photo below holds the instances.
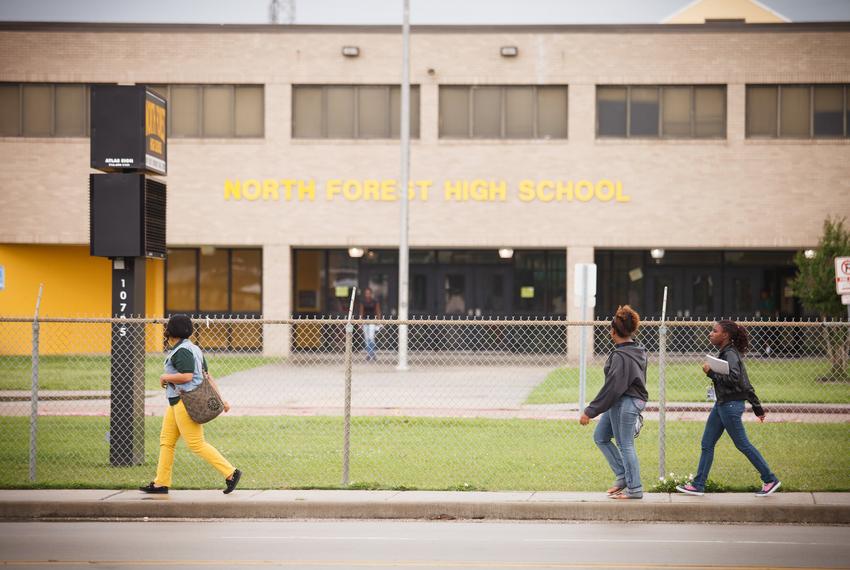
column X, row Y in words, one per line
column 672, row 474
column 662, row 479
column 691, row 476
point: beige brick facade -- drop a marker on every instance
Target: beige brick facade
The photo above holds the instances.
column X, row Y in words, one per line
column 732, row 193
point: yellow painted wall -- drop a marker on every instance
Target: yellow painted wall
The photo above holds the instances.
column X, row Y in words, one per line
column 75, row 285
column 750, row 12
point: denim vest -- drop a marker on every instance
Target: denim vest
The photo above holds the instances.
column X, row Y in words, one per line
column 173, row 390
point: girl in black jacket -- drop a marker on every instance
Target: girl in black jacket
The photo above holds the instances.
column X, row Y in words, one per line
column 731, row 391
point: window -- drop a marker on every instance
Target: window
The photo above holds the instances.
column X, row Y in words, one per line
column 503, row 112
column 798, row 111
column 215, row 111
column 44, row 110
column 351, row 111
column 214, row 281
column 666, row 111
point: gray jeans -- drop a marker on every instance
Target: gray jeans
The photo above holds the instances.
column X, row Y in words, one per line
column 619, row 423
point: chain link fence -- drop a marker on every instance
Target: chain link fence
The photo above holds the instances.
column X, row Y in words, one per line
column 482, row 404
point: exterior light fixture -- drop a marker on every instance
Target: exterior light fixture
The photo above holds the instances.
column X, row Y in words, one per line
column 506, row 253
column 509, row 51
column 355, row 251
column 809, row 254
column 207, row 250
column 350, row 51
column 657, row 254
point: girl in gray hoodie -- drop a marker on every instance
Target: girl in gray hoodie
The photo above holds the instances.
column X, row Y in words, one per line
column 620, row 402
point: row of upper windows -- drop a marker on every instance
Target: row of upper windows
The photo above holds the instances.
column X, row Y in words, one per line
column 465, row 111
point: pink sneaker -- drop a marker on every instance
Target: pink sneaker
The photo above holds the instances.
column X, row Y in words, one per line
column 768, row 488
column 689, row 490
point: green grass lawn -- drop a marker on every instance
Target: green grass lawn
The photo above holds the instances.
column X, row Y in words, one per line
column 418, row 453
column 775, row 381
column 91, row 372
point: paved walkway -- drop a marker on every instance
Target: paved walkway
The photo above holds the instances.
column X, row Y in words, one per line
column 381, row 390
column 817, row 508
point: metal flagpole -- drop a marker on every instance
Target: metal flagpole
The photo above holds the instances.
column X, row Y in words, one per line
column 403, row 248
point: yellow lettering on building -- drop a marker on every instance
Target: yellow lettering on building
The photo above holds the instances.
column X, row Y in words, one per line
column 424, row 188
column 371, row 190
column 251, row 189
column 232, row 189
column 388, row 190
column 456, row 191
column 333, row 188
column 307, row 190
column 584, row 191
column 564, row 191
column 270, row 187
column 620, row 196
column 604, row 190
column 479, row 190
column 287, row 184
column 526, row 190
column 546, row 190
column 352, row 190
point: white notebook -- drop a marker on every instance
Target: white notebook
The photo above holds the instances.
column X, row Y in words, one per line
column 717, row 365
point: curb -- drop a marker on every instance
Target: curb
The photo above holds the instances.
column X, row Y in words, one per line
column 448, row 510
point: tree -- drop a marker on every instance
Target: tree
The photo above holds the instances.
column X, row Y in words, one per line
column 815, row 286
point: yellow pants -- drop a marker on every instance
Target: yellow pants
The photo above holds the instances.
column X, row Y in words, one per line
column 176, row 423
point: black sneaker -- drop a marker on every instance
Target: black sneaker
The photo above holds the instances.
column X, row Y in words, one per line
column 153, row 489
column 232, row 482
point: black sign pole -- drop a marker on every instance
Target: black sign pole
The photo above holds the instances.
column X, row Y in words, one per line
column 127, row 370
column 127, row 224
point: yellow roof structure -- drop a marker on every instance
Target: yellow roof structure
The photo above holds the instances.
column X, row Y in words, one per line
column 750, row 11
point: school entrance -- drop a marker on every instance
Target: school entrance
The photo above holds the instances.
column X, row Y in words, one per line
column 443, row 283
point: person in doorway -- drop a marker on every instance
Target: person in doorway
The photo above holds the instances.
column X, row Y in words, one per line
column 370, row 308
column 620, row 402
column 184, row 371
column 731, row 390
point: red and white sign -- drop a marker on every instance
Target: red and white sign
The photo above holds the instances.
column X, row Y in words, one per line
column 842, row 275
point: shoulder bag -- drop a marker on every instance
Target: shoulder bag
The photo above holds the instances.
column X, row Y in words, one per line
column 203, row 403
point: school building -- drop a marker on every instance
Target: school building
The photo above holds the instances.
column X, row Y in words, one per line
column 698, row 154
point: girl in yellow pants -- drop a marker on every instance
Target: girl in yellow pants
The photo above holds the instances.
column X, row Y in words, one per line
column 184, row 371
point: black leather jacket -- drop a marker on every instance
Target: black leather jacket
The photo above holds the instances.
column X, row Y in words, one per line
column 735, row 385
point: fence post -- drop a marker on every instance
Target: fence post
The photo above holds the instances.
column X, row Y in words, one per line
column 582, row 365
column 346, row 430
column 34, row 393
column 662, row 389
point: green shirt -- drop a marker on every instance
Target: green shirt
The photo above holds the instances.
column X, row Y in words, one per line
column 184, row 361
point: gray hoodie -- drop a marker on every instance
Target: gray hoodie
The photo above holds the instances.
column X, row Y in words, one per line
column 625, row 375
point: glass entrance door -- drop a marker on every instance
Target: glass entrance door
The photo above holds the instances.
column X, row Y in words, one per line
column 455, row 297
column 702, row 292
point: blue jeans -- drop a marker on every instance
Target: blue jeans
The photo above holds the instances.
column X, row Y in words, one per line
column 619, row 423
column 369, row 338
column 727, row 416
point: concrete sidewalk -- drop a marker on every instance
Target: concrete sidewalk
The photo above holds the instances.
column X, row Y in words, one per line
column 812, row 508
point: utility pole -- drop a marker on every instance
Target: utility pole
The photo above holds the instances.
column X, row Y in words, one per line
column 403, row 248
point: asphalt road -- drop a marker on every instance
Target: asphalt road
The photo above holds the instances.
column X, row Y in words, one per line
column 421, row 545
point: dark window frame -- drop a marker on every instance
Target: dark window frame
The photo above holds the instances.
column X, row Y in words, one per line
column 200, row 118
column 692, row 112
column 197, row 311
column 86, row 112
column 355, row 111
column 778, row 125
column 470, row 127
